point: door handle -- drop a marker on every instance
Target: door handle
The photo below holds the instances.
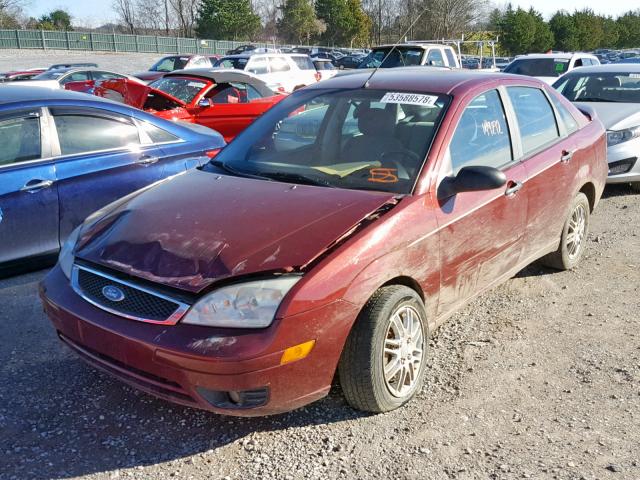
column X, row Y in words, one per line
column 567, row 155
column 33, row 186
column 513, row 188
column 147, row 160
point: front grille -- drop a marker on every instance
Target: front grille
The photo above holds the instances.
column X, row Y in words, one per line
column 136, row 303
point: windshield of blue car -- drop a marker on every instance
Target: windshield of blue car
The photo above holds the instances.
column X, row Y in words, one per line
column 538, row 67
column 621, row 87
column 355, row 139
column 169, row 64
column 398, row 57
column 237, row 63
column 184, row 89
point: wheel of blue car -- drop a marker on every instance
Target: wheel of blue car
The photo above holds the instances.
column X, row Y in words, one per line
column 573, row 237
column 383, row 361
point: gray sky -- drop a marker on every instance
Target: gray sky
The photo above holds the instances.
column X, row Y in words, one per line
column 96, row 12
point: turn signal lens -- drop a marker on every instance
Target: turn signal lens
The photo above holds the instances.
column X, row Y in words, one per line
column 297, row 352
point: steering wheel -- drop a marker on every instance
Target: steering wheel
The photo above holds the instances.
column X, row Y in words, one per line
column 402, row 171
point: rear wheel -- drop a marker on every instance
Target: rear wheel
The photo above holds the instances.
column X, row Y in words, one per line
column 574, row 236
column 383, row 362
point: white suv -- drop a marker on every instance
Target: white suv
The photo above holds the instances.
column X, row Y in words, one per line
column 549, row 66
column 411, row 54
column 281, row 72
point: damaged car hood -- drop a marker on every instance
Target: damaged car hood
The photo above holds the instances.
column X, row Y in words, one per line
column 200, row 227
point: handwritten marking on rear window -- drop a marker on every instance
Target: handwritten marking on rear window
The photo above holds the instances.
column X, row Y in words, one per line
column 409, row 98
column 491, row 128
column 383, row 175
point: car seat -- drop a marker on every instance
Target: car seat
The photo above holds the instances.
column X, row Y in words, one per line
column 377, row 126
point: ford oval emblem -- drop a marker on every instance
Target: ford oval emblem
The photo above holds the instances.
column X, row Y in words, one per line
column 112, row 293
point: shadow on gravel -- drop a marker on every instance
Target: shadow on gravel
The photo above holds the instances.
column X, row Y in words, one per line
column 618, row 190
column 60, row 418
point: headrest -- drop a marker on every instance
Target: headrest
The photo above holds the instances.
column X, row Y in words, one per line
column 376, row 121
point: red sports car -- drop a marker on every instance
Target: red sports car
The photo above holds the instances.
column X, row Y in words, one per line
column 224, row 100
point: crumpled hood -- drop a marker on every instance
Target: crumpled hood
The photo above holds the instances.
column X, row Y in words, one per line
column 200, row 227
column 616, row 116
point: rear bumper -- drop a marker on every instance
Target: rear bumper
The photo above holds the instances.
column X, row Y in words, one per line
column 197, row 366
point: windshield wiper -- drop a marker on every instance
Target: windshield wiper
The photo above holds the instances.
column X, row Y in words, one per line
column 594, row 99
column 238, row 173
column 299, row 178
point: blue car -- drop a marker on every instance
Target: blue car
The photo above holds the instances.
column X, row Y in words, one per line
column 64, row 155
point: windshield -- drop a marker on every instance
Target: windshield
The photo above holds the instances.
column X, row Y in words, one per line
column 538, row 67
column 399, row 57
column 169, row 64
column 601, row 87
column 356, row 139
column 184, row 89
column 230, row 62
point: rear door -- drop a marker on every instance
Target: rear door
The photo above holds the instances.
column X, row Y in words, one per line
column 481, row 233
column 99, row 158
column 549, row 154
column 28, row 190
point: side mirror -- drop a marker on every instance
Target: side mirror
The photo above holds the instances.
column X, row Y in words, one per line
column 204, row 103
column 472, row 179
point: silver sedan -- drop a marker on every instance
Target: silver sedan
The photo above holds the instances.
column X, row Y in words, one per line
column 613, row 91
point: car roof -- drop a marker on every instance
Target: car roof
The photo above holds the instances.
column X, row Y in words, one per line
column 609, row 67
column 24, row 93
column 224, row 75
column 428, row 79
column 413, row 45
column 561, row 55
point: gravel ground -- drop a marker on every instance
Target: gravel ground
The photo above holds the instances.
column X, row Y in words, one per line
column 539, row 378
column 118, row 62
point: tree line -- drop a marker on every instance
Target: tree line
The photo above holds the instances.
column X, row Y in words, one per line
column 355, row 23
column 523, row 31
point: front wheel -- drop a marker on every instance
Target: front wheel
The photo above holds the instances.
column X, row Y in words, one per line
column 574, row 236
column 383, row 362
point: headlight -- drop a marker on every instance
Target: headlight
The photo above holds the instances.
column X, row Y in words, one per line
column 245, row 305
column 614, row 137
column 65, row 259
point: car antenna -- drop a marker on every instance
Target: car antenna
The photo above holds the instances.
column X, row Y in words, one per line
column 424, row 10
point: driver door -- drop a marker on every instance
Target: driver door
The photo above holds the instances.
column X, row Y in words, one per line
column 481, row 233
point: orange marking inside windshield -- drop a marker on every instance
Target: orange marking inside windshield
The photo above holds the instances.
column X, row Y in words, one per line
column 383, row 175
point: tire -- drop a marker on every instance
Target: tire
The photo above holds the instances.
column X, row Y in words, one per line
column 635, row 186
column 571, row 248
column 376, row 333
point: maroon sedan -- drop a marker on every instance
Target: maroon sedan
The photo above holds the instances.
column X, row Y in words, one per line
column 331, row 237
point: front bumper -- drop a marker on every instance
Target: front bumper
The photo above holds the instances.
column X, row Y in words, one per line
column 198, row 366
column 624, row 162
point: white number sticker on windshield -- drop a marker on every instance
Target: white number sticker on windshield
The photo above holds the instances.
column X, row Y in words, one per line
column 634, row 75
column 409, row 98
column 196, row 84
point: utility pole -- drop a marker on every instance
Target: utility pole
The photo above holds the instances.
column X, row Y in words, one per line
column 166, row 17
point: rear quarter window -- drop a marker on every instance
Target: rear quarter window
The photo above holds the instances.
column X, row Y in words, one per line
column 303, row 63
column 535, row 118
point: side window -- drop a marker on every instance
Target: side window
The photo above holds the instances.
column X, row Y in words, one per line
column 482, row 135
column 435, row 58
column 20, row 139
column 258, row 66
column 252, row 93
column 535, row 117
column 76, row 77
column 278, row 64
column 450, row 57
column 156, row 134
column 565, row 115
column 105, row 75
column 303, row 62
column 86, row 133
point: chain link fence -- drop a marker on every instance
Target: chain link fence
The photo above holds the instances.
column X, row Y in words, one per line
column 115, row 42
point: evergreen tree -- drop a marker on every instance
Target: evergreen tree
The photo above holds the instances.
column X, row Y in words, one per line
column 543, row 38
column 298, row 23
column 336, row 16
column 227, row 20
column 518, row 30
column 588, row 29
column 564, row 32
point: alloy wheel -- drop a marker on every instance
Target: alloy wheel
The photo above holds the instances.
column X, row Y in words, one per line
column 576, row 231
